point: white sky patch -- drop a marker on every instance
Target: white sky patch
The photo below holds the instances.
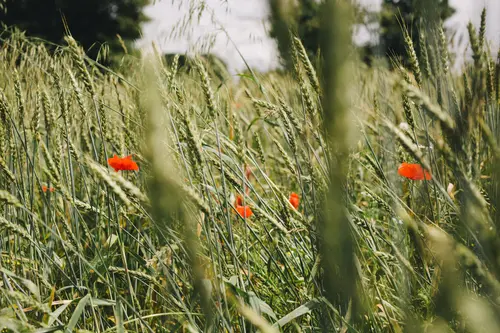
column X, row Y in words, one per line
column 246, row 29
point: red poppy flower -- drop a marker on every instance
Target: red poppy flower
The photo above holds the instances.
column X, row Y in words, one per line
column 413, row 171
column 125, row 163
column 45, row 189
column 244, row 211
column 294, row 200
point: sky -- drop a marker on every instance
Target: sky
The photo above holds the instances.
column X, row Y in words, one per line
column 240, row 29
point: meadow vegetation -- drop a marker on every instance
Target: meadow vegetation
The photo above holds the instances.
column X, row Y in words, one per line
column 166, row 248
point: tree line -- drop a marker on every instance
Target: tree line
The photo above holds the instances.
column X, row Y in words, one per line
column 116, row 24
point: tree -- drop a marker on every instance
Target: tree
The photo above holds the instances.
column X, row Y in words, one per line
column 308, row 24
column 412, row 15
column 303, row 20
column 92, row 23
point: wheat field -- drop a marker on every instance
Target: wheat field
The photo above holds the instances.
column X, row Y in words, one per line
column 274, row 204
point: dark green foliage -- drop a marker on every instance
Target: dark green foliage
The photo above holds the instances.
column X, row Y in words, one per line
column 302, row 18
column 91, row 22
column 303, row 22
column 411, row 14
column 307, row 26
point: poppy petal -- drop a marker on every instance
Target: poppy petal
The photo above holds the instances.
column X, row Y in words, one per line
column 294, row 200
column 244, row 211
column 413, row 171
column 125, row 163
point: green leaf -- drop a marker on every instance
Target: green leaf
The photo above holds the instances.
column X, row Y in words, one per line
column 111, row 240
column 29, row 284
column 54, row 315
column 50, row 329
column 120, row 328
column 260, row 306
column 78, row 313
column 246, row 76
column 102, row 302
column 300, row 311
column 255, row 120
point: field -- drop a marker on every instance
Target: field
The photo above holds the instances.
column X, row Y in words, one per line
column 208, row 235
